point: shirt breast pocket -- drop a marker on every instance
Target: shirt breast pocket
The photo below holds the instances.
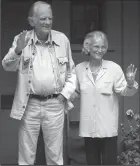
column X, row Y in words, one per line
column 62, row 61
column 107, row 88
column 25, row 61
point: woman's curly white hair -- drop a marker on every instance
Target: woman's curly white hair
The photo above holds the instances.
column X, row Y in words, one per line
column 89, row 37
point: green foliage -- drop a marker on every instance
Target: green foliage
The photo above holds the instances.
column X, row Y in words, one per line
column 131, row 142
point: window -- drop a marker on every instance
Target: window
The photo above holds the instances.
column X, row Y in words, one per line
column 85, row 17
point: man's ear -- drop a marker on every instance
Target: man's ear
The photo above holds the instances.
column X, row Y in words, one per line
column 31, row 21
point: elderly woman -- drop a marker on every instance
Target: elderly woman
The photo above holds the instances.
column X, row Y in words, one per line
column 99, row 83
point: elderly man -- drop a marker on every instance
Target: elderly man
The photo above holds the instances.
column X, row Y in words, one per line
column 46, row 80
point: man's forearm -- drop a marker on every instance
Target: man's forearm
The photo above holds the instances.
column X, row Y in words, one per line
column 11, row 61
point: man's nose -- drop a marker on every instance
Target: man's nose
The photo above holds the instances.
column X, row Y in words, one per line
column 100, row 49
column 47, row 21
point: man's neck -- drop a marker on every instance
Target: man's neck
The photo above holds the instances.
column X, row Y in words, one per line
column 43, row 38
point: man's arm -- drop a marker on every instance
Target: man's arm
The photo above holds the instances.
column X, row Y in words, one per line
column 70, row 83
column 11, row 61
column 76, row 93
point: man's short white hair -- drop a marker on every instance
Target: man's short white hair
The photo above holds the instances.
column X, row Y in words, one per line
column 35, row 6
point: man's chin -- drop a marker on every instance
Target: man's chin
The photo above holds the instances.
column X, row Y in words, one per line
column 46, row 31
column 99, row 57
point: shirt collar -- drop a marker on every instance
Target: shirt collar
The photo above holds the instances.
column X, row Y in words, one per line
column 52, row 39
column 104, row 66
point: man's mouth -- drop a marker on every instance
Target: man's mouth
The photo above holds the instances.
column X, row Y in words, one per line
column 99, row 54
column 46, row 27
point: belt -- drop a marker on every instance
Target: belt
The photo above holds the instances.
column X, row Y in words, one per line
column 39, row 97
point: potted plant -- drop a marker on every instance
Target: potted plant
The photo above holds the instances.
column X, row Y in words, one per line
column 131, row 141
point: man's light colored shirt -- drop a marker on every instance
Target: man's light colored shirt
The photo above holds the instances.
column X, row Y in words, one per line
column 43, row 80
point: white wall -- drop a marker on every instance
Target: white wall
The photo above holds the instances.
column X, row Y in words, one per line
column 122, row 22
column 131, row 49
column 14, row 20
column 61, row 12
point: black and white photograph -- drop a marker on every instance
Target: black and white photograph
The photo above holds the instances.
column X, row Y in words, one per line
column 69, row 82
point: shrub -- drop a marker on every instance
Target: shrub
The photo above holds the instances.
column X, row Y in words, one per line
column 131, row 141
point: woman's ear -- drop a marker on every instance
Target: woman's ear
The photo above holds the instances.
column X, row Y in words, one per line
column 86, row 46
column 31, row 21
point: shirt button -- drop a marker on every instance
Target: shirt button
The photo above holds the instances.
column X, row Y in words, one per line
column 29, row 81
column 24, row 106
column 27, row 94
column 31, row 66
